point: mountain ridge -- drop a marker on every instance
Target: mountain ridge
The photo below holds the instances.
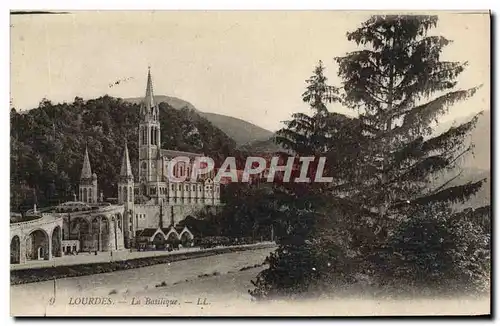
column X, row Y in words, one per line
column 241, row 131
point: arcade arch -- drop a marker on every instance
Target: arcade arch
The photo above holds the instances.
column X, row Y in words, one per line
column 38, row 245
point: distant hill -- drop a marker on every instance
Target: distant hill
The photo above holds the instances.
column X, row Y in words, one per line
column 476, row 167
column 483, row 196
column 480, row 136
column 262, row 146
column 241, row 131
column 174, row 102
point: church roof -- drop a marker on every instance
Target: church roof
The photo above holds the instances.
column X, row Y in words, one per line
column 86, row 170
column 126, row 169
column 171, row 154
column 165, row 230
column 148, row 232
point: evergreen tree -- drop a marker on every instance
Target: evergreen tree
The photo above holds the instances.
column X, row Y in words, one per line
column 386, row 165
column 308, row 134
column 304, row 211
column 400, row 87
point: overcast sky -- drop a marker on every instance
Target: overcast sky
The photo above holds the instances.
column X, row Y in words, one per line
column 250, row 65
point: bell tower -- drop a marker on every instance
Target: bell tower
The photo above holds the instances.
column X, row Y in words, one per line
column 126, row 197
column 88, row 182
column 126, row 182
column 149, row 137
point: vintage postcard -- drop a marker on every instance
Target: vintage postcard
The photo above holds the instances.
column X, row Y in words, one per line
column 250, row 163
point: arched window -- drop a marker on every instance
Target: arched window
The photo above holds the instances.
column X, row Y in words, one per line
column 130, row 194
column 85, row 194
column 152, row 136
column 90, row 195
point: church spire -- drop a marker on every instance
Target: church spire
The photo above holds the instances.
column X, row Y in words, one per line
column 149, row 101
column 86, row 170
column 126, row 169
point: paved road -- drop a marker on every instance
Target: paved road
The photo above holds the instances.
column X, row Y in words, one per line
column 101, row 257
column 212, row 285
column 123, row 285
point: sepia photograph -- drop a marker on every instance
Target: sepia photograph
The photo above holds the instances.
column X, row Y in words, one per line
column 250, row 163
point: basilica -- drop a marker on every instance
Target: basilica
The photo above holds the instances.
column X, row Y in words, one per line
column 152, row 203
column 145, row 213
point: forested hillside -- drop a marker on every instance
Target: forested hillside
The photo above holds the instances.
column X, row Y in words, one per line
column 48, row 142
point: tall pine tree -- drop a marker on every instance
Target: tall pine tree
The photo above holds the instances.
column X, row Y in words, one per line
column 392, row 176
column 306, row 251
column 401, row 87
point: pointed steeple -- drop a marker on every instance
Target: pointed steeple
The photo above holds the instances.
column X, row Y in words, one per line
column 126, row 169
column 149, row 101
column 86, row 170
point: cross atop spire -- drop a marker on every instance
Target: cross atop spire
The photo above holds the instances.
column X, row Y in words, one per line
column 126, row 169
column 86, row 170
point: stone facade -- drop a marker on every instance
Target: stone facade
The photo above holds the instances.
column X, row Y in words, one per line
column 39, row 238
column 154, row 200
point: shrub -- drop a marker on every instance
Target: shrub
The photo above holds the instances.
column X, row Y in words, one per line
column 292, row 269
column 211, row 242
column 438, row 250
